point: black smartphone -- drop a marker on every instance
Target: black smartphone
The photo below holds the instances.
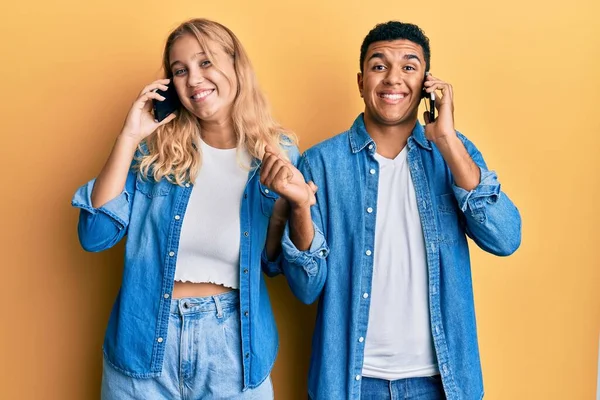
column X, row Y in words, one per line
column 171, row 103
column 431, row 98
column 431, row 106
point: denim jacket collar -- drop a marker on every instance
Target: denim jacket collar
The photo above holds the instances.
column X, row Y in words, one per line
column 360, row 138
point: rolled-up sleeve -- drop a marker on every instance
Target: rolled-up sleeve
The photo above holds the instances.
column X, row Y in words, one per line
column 491, row 218
column 102, row 227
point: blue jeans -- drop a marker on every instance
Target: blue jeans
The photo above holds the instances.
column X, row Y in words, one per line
column 429, row 388
column 203, row 357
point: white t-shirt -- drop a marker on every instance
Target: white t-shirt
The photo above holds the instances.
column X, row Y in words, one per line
column 209, row 246
column 399, row 343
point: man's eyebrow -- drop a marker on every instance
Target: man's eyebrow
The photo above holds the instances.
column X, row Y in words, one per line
column 411, row 56
column 377, row 55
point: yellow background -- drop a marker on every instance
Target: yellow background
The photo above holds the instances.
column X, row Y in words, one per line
column 525, row 77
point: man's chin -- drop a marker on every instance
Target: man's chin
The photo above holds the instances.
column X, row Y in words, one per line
column 391, row 119
column 395, row 120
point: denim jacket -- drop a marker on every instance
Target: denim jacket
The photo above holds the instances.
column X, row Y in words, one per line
column 347, row 173
column 151, row 215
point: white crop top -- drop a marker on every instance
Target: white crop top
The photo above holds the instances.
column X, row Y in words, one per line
column 209, row 246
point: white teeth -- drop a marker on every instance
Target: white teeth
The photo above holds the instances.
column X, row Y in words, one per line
column 392, row 96
column 202, row 94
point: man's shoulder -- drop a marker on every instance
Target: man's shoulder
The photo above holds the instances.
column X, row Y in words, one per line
column 335, row 145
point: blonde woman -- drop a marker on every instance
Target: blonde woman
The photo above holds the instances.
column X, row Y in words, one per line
column 193, row 317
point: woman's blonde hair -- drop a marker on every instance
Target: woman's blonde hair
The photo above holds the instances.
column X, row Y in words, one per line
column 172, row 151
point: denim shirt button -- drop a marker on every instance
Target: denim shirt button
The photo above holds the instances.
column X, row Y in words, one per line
column 177, row 217
column 246, row 233
column 372, row 171
column 361, row 339
column 246, row 313
column 368, row 252
column 357, row 377
column 171, row 253
column 369, row 210
column 159, row 340
column 187, row 185
column 166, row 296
column 365, row 295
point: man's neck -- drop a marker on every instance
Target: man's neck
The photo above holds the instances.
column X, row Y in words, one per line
column 390, row 139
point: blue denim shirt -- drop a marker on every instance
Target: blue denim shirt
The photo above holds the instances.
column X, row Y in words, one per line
column 347, row 174
column 151, row 215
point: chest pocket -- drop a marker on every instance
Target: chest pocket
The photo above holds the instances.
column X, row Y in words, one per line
column 152, row 189
column 450, row 228
column 267, row 200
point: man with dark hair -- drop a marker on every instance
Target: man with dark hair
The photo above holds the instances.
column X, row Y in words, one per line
column 395, row 203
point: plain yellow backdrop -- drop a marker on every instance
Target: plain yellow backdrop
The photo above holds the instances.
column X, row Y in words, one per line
column 525, row 77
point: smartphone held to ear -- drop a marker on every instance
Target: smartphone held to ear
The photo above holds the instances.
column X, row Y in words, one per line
column 431, row 98
column 171, row 103
column 431, row 106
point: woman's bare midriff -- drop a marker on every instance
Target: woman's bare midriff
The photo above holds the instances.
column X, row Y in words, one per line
column 191, row 289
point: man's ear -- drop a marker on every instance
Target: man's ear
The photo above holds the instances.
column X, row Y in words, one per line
column 359, row 80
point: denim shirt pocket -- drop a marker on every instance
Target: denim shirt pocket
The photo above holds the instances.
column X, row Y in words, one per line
column 447, row 211
column 267, row 199
column 153, row 189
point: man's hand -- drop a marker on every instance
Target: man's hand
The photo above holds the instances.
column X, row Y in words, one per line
column 442, row 129
column 466, row 173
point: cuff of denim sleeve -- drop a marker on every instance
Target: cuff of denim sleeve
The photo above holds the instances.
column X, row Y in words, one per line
column 271, row 268
column 487, row 191
column 305, row 259
column 117, row 208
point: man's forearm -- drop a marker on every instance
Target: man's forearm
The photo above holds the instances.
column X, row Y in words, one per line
column 465, row 172
column 302, row 231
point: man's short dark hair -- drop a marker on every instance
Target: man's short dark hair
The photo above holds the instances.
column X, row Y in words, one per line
column 395, row 30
